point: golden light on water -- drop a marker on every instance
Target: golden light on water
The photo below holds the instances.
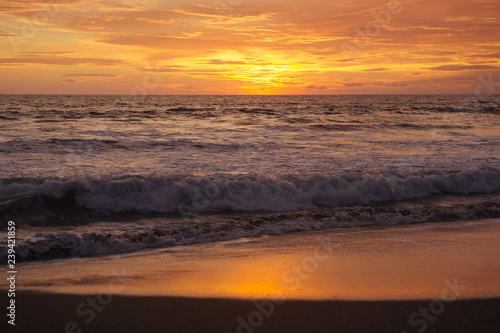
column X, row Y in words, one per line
column 357, row 269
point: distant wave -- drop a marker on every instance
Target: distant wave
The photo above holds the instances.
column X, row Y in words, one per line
column 246, row 193
column 468, row 109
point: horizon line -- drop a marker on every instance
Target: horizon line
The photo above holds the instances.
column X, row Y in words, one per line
column 138, row 95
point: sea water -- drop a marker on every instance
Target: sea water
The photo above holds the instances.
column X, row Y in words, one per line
column 88, row 175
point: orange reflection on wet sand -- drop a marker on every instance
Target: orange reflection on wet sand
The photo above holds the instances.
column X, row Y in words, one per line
column 406, row 262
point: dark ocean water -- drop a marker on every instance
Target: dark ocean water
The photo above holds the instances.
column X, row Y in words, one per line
column 86, row 175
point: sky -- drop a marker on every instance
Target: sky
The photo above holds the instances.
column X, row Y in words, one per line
column 249, row 47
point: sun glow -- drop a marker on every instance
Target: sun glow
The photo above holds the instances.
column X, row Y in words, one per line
column 257, row 47
column 260, row 290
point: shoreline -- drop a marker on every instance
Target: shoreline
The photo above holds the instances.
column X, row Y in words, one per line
column 432, row 277
column 369, row 263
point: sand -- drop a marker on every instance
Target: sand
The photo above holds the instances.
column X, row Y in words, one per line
column 435, row 277
column 52, row 312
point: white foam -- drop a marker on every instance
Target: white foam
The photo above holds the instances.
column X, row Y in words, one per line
column 111, row 238
column 166, row 195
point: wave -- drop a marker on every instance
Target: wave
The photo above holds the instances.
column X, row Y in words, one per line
column 428, row 126
column 264, row 111
column 7, row 118
column 190, row 109
column 245, row 193
column 206, row 229
column 486, row 109
column 339, row 127
column 412, row 126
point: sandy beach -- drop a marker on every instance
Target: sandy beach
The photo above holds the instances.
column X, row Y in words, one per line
column 374, row 279
column 56, row 313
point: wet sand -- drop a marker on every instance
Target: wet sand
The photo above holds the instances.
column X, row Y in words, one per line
column 378, row 279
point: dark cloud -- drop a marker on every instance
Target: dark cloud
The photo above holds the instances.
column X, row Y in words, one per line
column 380, row 69
column 89, row 75
column 311, row 87
column 389, row 84
column 486, row 55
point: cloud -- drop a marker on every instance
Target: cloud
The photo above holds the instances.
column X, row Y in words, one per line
column 154, row 21
column 224, row 62
column 33, row 5
column 227, row 17
column 116, row 6
column 279, row 46
column 389, row 84
column 58, row 60
column 164, row 69
column 5, row 34
column 14, row 8
column 47, row 53
column 461, row 67
column 89, row 75
column 313, row 87
column 163, row 42
column 51, row 2
column 485, row 55
column 380, row 69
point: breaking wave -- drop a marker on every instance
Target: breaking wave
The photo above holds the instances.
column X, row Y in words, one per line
column 245, row 193
column 162, row 233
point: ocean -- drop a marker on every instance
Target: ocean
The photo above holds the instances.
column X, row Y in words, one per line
column 101, row 175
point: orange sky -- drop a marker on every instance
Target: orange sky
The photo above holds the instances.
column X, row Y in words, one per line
column 248, row 46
